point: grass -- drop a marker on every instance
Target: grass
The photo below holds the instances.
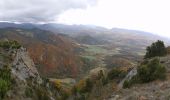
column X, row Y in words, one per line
column 91, row 58
column 96, row 49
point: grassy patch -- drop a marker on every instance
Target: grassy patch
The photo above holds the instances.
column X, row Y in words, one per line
column 90, row 58
column 95, row 49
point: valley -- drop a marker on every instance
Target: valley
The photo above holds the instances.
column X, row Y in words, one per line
column 69, row 57
column 84, row 50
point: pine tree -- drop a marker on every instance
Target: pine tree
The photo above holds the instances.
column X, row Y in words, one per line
column 156, row 49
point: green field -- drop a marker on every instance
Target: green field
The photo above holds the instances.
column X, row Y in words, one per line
column 91, row 58
column 95, row 49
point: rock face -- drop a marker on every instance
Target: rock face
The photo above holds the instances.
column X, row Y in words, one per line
column 132, row 73
column 26, row 83
column 24, row 67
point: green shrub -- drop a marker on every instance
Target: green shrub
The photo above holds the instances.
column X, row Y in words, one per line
column 147, row 72
column 129, row 83
column 144, row 74
column 10, row 44
column 151, row 71
column 126, row 84
column 5, row 81
column 156, row 49
column 116, row 73
column 4, row 87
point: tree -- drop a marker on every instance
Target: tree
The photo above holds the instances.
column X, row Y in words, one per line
column 156, row 49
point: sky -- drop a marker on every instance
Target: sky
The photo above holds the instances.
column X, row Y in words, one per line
column 146, row 15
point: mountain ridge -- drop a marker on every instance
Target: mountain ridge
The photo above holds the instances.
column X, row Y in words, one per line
column 63, row 26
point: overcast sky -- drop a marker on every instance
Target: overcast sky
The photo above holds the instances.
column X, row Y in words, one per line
column 147, row 15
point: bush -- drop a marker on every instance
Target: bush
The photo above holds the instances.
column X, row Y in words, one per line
column 116, row 73
column 151, row 71
column 143, row 73
column 147, row 72
column 84, row 86
column 89, row 85
column 58, row 85
column 156, row 49
column 10, row 44
column 5, row 81
column 41, row 93
column 4, row 87
column 126, row 84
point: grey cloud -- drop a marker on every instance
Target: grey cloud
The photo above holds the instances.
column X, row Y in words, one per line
column 38, row 10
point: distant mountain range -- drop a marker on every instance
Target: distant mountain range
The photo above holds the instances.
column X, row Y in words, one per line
column 92, row 32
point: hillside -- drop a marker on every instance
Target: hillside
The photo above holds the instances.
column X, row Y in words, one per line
column 53, row 54
column 77, row 62
column 19, row 78
column 149, row 91
column 54, row 45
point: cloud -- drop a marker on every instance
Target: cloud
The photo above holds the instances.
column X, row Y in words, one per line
column 38, row 10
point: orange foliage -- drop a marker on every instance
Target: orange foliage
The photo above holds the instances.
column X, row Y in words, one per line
column 55, row 55
column 81, row 84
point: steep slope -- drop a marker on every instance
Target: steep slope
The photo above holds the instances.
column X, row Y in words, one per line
column 18, row 71
column 53, row 54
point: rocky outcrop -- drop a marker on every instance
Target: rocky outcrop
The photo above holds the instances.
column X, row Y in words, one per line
column 26, row 81
column 131, row 73
column 24, row 67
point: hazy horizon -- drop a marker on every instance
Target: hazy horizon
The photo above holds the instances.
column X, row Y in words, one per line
column 144, row 15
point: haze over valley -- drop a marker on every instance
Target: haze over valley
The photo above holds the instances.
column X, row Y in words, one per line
column 84, row 50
